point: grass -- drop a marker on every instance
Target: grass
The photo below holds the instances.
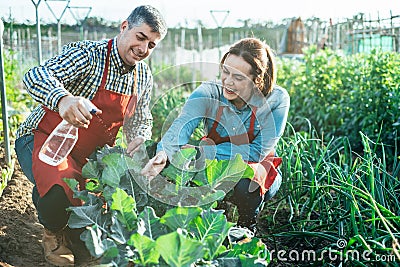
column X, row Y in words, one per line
column 6, row 174
column 332, row 194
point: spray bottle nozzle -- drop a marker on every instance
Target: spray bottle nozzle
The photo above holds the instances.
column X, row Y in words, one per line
column 91, row 107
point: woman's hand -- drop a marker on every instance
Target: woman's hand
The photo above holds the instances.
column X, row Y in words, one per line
column 155, row 165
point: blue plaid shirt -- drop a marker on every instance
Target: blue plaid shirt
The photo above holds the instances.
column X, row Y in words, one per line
column 78, row 71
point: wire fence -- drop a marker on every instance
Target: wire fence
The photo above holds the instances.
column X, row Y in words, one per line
column 354, row 35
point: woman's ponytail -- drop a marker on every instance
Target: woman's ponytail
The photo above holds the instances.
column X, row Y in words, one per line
column 270, row 72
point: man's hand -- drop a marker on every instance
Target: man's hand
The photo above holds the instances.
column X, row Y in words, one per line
column 77, row 110
column 155, row 165
column 134, row 145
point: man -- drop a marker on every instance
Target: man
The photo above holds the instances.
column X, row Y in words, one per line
column 108, row 74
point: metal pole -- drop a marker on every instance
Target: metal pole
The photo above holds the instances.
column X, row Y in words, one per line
column 392, row 32
column 219, row 41
column 59, row 46
column 39, row 35
column 11, row 31
column 79, row 19
column 81, row 31
column 58, row 21
column 219, row 25
column 183, row 38
column 200, row 44
column 4, row 99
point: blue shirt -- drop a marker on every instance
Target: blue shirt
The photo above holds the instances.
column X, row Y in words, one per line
column 203, row 103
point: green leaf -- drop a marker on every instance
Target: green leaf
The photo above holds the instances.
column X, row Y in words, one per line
column 92, row 239
column 253, row 253
column 107, row 150
column 183, row 157
column 118, row 232
column 72, row 183
column 122, row 201
column 96, row 245
column 211, row 228
column 116, row 165
column 213, row 170
column 139, row 157
column 227, row 171
column 179, row 170
column 93, row 186
column 178, row 176
column 91, row 170
column 240, row 168
column 224, row 261
column 145, row 247
column 200, row 178
column 180, row 217
column 251, row 261
column 83, row 216
column 125, row 205
column 114, row 169
column 112, row 250
column 151, row 224
column 108, row 191
column 253, row 247
column 83, row 194
column 212, row 197
column 178, row 250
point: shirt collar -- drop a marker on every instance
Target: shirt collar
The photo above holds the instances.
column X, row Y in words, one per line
column 116, row 59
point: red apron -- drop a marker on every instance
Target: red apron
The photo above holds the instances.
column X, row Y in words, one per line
column 102, row 130
column 265, row 171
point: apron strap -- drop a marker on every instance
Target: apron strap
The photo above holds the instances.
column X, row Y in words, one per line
column 105, row 72
column 217, row 118
column 252, row 119
column 134, row 99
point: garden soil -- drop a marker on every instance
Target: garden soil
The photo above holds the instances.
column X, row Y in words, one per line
column 20, row 231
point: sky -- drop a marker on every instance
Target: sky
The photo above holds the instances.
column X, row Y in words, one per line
column 188, row 13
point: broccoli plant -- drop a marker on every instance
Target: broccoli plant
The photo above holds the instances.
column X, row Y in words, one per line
column 121, row 218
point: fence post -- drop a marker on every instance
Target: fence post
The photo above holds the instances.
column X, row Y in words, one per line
column 4, row 99
column 59, row 46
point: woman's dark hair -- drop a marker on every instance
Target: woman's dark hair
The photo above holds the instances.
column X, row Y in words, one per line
column 261, row 59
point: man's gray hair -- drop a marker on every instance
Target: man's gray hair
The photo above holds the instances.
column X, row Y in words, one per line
column 149, row 15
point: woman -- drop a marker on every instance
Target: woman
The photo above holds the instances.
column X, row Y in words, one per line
column 244, row 113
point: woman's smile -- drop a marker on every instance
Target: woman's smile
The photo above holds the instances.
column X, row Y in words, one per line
column 229, row 91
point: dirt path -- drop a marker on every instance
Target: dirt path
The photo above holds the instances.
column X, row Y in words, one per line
column 20, row 232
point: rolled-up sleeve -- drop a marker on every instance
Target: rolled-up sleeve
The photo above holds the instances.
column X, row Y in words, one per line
column 194, row 110
column 45, row 83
